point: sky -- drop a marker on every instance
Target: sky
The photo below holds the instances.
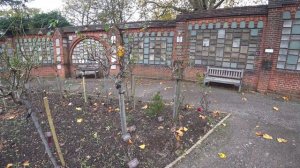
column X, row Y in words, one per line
column 46, row 5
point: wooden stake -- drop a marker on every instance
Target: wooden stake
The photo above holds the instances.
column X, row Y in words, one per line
column 84, row 89
column 52, row 128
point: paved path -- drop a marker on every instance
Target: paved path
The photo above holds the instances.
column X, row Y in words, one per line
column 237, row 139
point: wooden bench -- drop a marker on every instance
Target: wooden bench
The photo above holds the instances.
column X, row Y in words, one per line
column 87, row 69
column 224, row 75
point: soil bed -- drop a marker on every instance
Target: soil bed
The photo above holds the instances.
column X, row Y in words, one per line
column 96, row 140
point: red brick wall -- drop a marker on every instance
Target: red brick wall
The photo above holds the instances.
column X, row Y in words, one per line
column 47, row 70
column 281, row 81
column 274, row 80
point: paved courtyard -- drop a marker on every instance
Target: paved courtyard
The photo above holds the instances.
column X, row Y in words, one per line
column 237, row 139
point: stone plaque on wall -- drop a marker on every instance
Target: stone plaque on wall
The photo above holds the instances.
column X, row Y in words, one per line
column 205, row 42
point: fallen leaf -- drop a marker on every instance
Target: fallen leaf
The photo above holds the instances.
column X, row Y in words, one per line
column 9, row 165
column 257, row 126
column 109, row 93
column 202, row 117
column 267, row 136
column 117, row 109
column 259, row 133
column 70, row 104
column 160, row 83
column 188, row 106
column 275, row 108
column 130, row 141
column 79, row 120
column 222, row 155
column 78, row 108
column 142, row 146
column 26, row 163
column 224, row 124
column 185, row 129
column 244, row 99
column 95, row 135
column 177, row 137
column 285, row 98
column 160, row 127
column 281, row 140
column 145, row 107
column 216, row 114
column 167, row 88
column 179, row 132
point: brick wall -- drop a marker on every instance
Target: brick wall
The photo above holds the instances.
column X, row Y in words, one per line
column 257, row 78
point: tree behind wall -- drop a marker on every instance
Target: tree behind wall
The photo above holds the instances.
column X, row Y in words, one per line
column 161, row 9
column 89, row 12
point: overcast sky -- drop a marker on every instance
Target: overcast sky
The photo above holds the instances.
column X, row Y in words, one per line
column 46, row 5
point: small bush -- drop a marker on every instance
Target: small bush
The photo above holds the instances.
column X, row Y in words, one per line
column 200, row 79
column 156, row 106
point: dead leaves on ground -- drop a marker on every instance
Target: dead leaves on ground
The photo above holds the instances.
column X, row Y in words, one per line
column 269, row 137
column 264, row 135
column 180, row 132
column 222, row 155
column 79, row 120
column 285, row 98
column 166, row 88
column 142, row 146
column 25, row 164
column 202, row 117
column 244, row 99
column 275, row 108
column 145, row 107
column 281, row 140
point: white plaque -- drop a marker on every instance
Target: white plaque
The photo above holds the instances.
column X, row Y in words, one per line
column 113, row 67
column 58, row 66
column 269, row 50
column 205, row 42
column 179, row 39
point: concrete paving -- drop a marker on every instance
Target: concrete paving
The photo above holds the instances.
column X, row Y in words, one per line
column 238, row 139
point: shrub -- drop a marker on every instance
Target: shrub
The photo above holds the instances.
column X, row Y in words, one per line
column 200, row 79
column 156, row 106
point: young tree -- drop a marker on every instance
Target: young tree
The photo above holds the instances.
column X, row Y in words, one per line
column 17, row 60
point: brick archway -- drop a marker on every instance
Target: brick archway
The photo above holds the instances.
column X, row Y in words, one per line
column 78, row 41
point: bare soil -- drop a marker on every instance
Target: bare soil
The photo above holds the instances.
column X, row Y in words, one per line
column 96, row 141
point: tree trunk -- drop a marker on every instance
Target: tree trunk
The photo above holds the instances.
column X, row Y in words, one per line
column 84, row 89
column 176, row 99
column 125, row 134
column 132, row 87
column 58, row 81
